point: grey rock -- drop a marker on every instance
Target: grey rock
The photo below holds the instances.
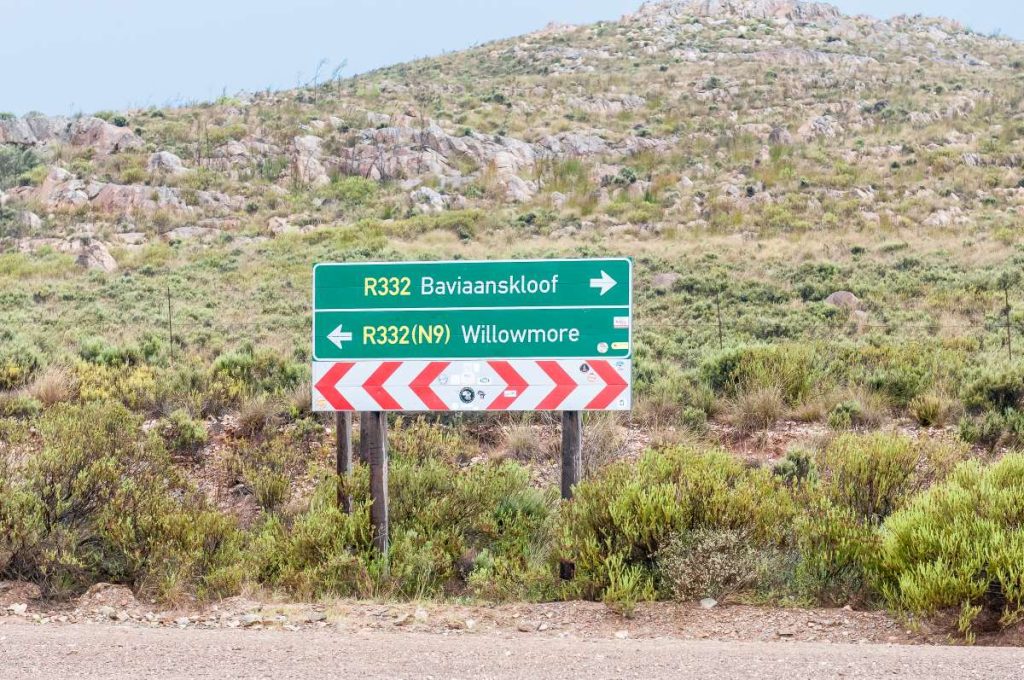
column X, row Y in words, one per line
column 248, row 620
column 427, row 201
column 30, row 220
column 203, row 234
column 665, row 281
column 165, row 163
column 780, row 136
column 308, row 166
column 708, row 603
column 843, row 299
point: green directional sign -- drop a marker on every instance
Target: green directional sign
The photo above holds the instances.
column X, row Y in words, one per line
column 473, row 309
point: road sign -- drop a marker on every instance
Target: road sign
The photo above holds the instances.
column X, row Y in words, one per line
column 495, row 385
column 506, row 309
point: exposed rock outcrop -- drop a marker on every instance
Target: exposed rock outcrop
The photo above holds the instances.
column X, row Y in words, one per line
column 96, row 133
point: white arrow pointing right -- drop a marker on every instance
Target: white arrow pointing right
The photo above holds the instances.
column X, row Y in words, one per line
column 605, row 283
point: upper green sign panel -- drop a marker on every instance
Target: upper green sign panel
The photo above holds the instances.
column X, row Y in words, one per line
column 486, row 309
column 459, row 284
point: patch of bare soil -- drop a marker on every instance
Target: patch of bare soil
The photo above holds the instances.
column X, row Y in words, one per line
column 115, row 605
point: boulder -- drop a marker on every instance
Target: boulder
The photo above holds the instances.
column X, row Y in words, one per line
column 190, row 233
column 427, row 201
column 517, row 189
column 780, row 136
column 165, row 163
column 101, row 136
column 308, row 168
column 16, row 131
column 29, row 220
column 844, row 299
column 90, row 253
column 665, row 281
column 820, row 126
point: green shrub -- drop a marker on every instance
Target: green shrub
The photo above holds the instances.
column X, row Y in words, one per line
column 993, row 429
column 481, row 528
column 270, row 487
column 875, row 474
column 99, row 503
column 15, row 161
column 18, row 362
column 995, row 388
column 182, row 433
column 419, row 440
column 796, row 467
column 930, row 410
column 253, row 371
column 633, row 510
column 628, row 584
column 837, row 551
column 351, row 192
column 99, row 351
column 18, row 405
column 787, row 368
column 960, row 545
column 845, row 415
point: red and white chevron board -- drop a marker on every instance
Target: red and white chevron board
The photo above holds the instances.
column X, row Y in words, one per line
column 513, row 385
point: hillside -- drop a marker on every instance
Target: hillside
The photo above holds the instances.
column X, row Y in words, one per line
column 825, row 215
column 762, row 116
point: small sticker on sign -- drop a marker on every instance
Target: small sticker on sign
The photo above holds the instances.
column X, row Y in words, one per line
column 620, row 322
column 511, row 394
column 620, row 345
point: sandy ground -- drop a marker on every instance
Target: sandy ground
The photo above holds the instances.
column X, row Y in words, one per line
column 105, row 651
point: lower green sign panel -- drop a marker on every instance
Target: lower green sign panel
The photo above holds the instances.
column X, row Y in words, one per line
column 472, row 333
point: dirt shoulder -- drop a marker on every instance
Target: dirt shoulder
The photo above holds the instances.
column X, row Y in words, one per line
column 116, row 606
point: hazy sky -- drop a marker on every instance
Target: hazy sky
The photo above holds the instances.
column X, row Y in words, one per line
column 67, row 56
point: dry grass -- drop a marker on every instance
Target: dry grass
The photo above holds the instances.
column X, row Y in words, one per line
column 756, row 409
column 603, row 442
column 55, row 385
column 522, row 441
column 258, row 415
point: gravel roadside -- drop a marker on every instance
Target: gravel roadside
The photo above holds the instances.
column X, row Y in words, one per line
column 104, row 651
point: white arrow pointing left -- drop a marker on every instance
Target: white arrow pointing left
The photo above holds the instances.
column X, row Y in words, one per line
column 605, row 283
column 338, row 336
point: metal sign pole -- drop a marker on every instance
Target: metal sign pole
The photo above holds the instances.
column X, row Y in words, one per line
column 343, row 458
column 572, row 466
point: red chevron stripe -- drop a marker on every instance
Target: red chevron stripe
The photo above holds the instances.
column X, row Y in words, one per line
column 564, row 385
column 515, row 385
column 374, row 386
column 615, row 385
column 420, row 385
column 328, row 386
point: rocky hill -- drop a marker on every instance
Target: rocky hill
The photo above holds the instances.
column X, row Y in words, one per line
column 752, row 116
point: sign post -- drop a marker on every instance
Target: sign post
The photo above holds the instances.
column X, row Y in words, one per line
column 494, row 335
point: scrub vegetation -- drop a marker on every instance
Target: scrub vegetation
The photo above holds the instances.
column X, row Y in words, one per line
column 829, row 347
